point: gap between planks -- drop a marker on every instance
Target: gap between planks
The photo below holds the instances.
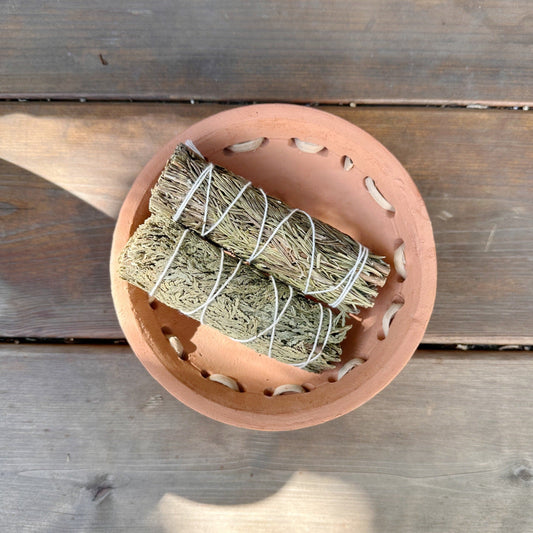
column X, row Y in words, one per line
column 441, row 104
column 452, row 349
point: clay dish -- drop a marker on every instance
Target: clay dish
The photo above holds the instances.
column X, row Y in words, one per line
column 338, row 173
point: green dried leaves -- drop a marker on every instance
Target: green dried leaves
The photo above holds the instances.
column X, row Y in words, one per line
column 243, row 309
column 288, row 254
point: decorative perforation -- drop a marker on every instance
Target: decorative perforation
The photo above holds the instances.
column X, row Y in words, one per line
column 388, row 316
column 225, row 380
column 399, row 263
column 246, row 146
column 289, row 387
column 175, row 343
column 350, row 365
column 347, row 163
column 307, row 147
column 377, row 196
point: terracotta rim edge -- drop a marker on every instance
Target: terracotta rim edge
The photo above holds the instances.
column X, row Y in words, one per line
column 144, row 349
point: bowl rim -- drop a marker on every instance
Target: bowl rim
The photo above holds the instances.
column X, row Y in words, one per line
column 142, row 340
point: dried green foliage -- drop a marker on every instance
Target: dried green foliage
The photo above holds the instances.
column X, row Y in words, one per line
column 243, row 309
column 287, row 256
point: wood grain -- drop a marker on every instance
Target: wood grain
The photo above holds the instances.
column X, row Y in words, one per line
column 64, row 173
column 67, row 167
column 90, row 442
column 366, row 51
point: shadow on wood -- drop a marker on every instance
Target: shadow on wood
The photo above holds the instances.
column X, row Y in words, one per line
column 55, row 255
column 86, row 433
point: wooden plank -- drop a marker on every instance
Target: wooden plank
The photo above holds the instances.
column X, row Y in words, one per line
column 91, row 443
column 366, row 51
column 474, row 169
column 64, row 173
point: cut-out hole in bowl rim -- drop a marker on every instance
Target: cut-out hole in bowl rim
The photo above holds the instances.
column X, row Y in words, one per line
column 399, row 261
column 246, row 146
column 231, row 383
column 397, row 303
column 288, row 388
column 340, row 140
column 309, row 147
column 176, row 344
column 347, row 163
column 347, row 367
column 378, row 197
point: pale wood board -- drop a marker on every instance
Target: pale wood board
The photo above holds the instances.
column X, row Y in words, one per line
column 401, row 51
column 67, row 167
column 90, row 442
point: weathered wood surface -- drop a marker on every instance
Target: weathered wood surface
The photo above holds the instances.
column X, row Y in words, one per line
column 67, row 167
column 90, row 442
column 365, row 51
column 64, row 171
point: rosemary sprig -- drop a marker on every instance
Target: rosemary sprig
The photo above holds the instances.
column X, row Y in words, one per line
column 287, row 257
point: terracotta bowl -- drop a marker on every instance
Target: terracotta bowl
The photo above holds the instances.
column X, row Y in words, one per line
column 338, row 173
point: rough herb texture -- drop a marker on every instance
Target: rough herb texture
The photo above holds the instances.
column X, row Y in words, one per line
column 243, row 309
column 288, row 254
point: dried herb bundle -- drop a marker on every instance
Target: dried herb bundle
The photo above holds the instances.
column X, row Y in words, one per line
column 288, row 254
column 243, row 308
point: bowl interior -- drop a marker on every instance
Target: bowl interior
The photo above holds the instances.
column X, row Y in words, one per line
column 392, row 222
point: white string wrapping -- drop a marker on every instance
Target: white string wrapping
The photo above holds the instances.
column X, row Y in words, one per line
column 214, row 296
column 189, row 144
column 351, row 276
column 276, row 319
column 167, row 266
column 254, row 254
column 349, row 279
column 223, row 215
column 215, row 291
column 310, row 357
column 273, row 234
column 207, row 170
column 356, row 272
